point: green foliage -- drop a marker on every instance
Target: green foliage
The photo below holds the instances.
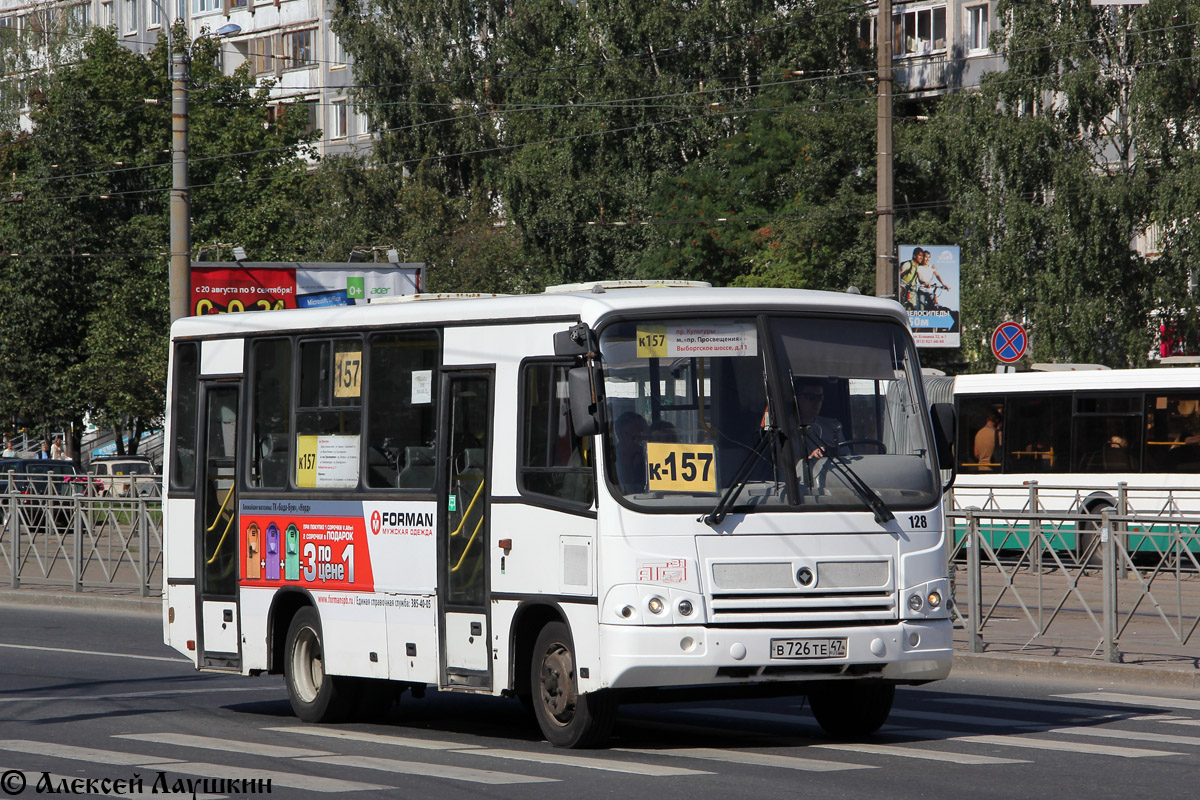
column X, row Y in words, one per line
column 83, row 274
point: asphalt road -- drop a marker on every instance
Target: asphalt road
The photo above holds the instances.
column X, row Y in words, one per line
column 96, row 696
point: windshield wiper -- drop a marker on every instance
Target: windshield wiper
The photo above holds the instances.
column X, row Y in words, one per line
column 873, row 501
column 741, row 478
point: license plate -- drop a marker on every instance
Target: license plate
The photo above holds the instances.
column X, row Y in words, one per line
column 808, row 648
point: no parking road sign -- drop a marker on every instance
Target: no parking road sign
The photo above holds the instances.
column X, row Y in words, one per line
column 1009, row 342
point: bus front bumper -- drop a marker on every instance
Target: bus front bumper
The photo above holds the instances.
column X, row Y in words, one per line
column 646, row 656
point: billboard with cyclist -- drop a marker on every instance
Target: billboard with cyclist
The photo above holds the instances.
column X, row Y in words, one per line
column 928, row 289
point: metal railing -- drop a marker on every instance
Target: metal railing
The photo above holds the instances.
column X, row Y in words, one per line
column 55, row 530
column 1115, row 583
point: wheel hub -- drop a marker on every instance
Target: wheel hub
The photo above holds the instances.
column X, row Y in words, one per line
column 558, row 685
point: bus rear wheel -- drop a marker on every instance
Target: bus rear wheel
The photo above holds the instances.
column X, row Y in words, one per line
column 567, row 717
column 316, row 696
column 852, row 709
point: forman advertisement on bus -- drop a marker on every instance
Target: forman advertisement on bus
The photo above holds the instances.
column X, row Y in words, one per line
column 928, row 288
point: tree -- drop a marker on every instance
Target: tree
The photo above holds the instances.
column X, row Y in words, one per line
column 83, row 282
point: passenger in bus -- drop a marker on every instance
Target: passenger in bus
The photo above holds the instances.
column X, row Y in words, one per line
column 631, row 429
column 987, row 439
column 818, row 432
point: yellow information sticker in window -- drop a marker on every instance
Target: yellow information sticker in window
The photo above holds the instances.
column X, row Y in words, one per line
column 306, row 461
column 347, row 374
column 672, row 467
column 652, row 341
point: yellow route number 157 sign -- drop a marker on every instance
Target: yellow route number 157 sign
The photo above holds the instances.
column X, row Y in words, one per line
column 674, row 467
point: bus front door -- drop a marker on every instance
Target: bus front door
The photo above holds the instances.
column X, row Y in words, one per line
column 462, row 552
column 217, row 541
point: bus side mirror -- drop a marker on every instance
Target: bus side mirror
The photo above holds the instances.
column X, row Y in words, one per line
column 575, row 341
column 585, row 413
column 945, row 425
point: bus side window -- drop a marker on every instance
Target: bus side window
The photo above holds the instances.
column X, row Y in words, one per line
column 402, row 410
column 554, row 461
column 183, row 416
column 328, row 412
column 270, row 409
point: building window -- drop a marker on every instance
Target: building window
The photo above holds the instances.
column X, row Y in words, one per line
column 337, row 55
column 298, row 49
column 263, row 53
column 129, row 12
column 311, row 107
column 155, row 14
column 977, row 28
column 339, row 120
column 204, row 6
column 919, row 32
column 238, row 3
column 866, row 32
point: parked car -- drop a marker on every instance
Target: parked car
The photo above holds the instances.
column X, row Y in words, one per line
column 41, row 476
column 122, row 476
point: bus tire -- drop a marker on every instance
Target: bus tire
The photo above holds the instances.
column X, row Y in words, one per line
column 316, row 696
column 566, row 717
column 852, row 709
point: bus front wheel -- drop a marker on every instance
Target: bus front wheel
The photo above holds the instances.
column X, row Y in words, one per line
column 316, row 696
column 567, row 717
column 852, row 709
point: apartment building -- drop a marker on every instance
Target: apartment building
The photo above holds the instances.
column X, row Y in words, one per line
column 288, row 42
column 938, row 46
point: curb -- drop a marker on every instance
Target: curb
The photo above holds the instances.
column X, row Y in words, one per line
column 85, row 601
column 1014, row 666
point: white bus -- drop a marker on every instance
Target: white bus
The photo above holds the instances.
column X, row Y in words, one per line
column 576, row 498
column 1079, row 435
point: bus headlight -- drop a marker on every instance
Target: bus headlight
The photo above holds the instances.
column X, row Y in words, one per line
column 915, row 602
column 935, row 599
column 685, row 608
column 656, row 605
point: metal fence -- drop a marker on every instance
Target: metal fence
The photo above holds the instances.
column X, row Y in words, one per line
column 56, row 531
column 1117, row 584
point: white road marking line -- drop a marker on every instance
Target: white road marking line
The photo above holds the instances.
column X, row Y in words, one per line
column 754, row 716
column 1138, row 736
column 588, row 762
column 1136, row 700
column 293, row 780
column 964, row 719
column 173, row 765
column 753, row 759
column 1017, row 705
column 1183, row 721
column 441, row 771
column 223, row 745
column 1046, row 744
column 361, row 736
column 91, row 754
column 919, row 752
column 41, row 649
column 130, row 695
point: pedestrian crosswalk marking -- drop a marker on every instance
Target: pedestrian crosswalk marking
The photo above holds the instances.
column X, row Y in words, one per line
column 213, row 743
column 587, row 762
column 1137, row 736
column 1053, row 708
column 964, row 719
column 919, row 752
column 92, row 754
column 376, row 738
column 444, row 771
column 752, row 759
column 292, row 780
column 1036, row 743
column 1172, row 703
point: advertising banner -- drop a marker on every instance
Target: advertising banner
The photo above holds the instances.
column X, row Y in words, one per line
column 221, row 287
column 928, row 289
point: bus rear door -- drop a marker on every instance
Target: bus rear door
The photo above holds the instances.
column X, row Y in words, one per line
column 217, row 545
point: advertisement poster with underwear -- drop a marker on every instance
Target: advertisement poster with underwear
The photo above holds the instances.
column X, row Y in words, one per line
column 928, row 289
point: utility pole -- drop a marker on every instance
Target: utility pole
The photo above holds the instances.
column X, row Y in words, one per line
column 885, row 271
column 179, row 275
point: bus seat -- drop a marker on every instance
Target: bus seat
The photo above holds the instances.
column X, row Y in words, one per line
column 419, row 471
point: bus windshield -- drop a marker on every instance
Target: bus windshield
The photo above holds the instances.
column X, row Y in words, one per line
column 791, row 412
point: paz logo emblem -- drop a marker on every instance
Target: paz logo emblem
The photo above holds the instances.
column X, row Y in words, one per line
column 356, row 288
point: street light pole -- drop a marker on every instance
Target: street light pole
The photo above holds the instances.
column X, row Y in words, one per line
column 179, row 275
column 885, row 212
